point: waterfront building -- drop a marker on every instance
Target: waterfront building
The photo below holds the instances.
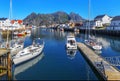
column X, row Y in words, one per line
column 115, row 23
column 88, row 24
column 99, row 21
column 4, row 22
column 16, row 22
column 76, row 24
column 7, row 24
column 104, row 19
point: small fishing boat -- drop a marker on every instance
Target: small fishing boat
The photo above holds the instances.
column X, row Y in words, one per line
column 71, row 42
column 19, row 33
column 28, row 53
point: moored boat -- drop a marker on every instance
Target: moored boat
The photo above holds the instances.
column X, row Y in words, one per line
column 71, row 42
column 93, row 44
column 28, row 53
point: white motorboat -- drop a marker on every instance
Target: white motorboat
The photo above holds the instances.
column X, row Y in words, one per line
column 28, row 53
column 71, row 42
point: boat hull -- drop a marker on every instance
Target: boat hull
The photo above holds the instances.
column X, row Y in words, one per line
column 71, row 47
column 94, row 47
column 22, row 59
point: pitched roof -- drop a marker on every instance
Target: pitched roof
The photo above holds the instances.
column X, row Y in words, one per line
column 3, row 18
column 116, row 18
column 99, row 16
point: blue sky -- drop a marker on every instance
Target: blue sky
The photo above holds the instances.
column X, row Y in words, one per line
column 22, row 8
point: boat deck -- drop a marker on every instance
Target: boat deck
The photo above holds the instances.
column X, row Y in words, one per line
column 106, row 71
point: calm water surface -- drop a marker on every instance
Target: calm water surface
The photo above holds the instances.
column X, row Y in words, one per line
column 56, row 64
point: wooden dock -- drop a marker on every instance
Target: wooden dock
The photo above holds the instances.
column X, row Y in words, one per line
column 5, row 63
column 106, row 71
column 3, row 51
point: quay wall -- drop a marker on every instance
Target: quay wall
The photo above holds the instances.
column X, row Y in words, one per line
column 102, row 32
column 94, row 31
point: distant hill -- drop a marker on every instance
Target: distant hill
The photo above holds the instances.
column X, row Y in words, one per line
column 47, row 19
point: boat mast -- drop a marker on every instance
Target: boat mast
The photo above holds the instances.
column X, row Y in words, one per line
column 10, row 10
column 89, row 17
column 10, row 16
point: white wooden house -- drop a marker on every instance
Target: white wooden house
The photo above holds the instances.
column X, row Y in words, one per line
column 115, row 23
column 4, row 22
column 100, row 20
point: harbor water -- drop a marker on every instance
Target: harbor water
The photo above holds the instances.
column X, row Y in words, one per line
column 57, row 63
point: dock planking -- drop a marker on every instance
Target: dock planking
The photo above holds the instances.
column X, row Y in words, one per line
column 106, row 71
column 3, row 51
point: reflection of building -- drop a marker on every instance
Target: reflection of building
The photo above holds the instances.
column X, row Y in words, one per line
column 115, row 45
column 107, row 42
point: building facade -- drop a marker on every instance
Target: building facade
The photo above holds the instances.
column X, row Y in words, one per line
column 115, row 23
column 99, row 21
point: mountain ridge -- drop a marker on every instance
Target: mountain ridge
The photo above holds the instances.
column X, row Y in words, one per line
column 58, row 17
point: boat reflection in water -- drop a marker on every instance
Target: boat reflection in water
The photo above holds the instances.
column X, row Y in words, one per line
column 98, row 51
column 26, row 65
column 71, row 53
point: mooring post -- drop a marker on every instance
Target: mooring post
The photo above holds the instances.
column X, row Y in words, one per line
column 9, row 66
